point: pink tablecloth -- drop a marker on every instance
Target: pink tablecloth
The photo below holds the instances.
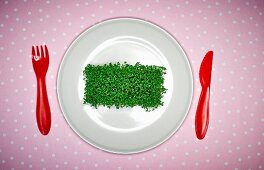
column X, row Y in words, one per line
column 232, row 29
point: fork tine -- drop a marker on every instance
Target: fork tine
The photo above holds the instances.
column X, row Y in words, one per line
column 33, row 52
column 38, row 52
column 42, row 52
column 46, row 52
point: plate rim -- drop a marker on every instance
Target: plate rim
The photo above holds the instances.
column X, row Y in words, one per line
column 79, row 36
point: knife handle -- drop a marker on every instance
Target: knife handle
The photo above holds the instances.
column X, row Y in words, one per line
column 43, row 109
column 202, row 113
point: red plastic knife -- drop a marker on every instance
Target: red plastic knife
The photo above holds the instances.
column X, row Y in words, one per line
column 202, row 112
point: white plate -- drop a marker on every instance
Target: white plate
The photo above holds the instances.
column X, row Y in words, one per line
column 127, row 130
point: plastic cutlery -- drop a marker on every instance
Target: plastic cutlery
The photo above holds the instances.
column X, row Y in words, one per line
column 202, row 113
column 40, row 61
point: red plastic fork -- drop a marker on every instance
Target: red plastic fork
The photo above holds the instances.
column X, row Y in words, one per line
column 40, row 61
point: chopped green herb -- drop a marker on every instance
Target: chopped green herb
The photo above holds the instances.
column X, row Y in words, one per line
column 124, row 85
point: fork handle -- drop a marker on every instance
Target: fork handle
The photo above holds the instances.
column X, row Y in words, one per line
column 43, row 109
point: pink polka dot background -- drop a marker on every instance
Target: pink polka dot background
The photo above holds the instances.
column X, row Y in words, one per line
column 234, row 30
